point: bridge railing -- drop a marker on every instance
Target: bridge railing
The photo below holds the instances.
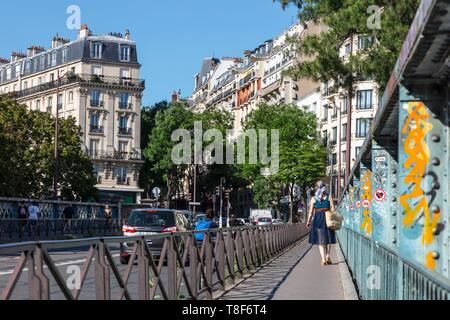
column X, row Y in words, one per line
column 382, row 274
column 185, row 268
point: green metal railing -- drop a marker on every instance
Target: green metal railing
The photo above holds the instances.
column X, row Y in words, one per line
column 381, row 274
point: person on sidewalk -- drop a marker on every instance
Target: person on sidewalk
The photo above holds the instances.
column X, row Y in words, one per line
column 33, row 213
column 22, row 213
column 320, row 234
column 206, row 224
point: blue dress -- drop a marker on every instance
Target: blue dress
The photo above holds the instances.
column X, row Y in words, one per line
column 320, row 234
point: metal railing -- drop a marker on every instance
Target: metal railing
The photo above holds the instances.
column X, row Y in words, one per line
column 205, row 268
column 16, row 229
column 398, row 279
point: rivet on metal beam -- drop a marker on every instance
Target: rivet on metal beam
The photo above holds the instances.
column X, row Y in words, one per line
column 435, row 255
column 394, row 241
column 435, row 186
column 394, row 171
column 436, row 162
column 394, row 199
column 436, row 138
column 394, row 226
column 394, row 185
column 394, row 213
column 435, row 209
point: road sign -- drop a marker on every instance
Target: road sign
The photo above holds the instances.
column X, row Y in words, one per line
column 358, row 204
column 156, row 192
column 380, row 195
column 195, row 204
column 366, row 204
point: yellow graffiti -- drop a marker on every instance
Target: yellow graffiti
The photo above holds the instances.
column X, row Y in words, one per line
column 367, row 225
column 415, row 129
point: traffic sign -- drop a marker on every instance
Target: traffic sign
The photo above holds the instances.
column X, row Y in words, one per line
column 380, row 195
column 366, row 204
column 358, row 204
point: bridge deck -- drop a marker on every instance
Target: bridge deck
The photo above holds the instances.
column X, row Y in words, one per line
column 296, row 275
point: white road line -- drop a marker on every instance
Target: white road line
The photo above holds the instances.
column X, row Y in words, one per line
column 61, row 264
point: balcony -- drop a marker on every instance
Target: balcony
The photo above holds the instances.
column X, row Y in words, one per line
column 71, row 78
column 97, row 104
column 125, row 131
column 95, row 129
column 125, row 106
column 114, row 155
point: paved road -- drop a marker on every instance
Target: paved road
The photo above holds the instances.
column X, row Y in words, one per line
column 296, row 275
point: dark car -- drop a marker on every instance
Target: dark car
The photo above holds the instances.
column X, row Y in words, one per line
column 146, row 222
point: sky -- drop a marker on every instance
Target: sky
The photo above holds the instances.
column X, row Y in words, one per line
column 172, row 37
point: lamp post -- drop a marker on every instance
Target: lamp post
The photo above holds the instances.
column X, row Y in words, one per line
column 56, row 151
column 339, row 149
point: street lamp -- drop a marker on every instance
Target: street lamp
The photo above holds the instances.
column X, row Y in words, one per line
column 333, row 100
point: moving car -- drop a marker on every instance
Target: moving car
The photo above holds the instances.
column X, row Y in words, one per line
column 146, row 222
column 264, row 222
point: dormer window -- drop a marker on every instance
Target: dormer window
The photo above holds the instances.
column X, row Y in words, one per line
column 125, row 53
column 96, row 50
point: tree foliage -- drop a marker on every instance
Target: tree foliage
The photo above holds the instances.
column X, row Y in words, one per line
column 27, row 155
column 301, row 155
column 347, row 18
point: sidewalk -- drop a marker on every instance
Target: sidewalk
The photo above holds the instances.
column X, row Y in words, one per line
column 297, row 275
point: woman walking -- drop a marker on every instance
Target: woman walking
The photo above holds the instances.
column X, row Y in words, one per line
column 320, row 234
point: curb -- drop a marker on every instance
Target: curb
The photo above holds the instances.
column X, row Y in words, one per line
column 350, row 292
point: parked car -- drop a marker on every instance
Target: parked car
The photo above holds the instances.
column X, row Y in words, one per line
column 145, row 222
column 278, row 221
column 247, row 222
column 199, row 217
column 189, row 216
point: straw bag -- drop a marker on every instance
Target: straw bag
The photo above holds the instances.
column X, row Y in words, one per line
column 334, row 220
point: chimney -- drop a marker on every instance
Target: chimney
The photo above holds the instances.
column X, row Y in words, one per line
column 176, row 96
column 15, row 56
column 84, row 32
column 58, row 41
column 127, row 35
column 34, row 50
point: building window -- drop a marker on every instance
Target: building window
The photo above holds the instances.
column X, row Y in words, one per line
column 95, row 98
column 122, row 175
column 38, row 105
column 334, row 136
column 363, row 127
column 123, row 125
column 54, row 58
column 344, row 132
column 18, row 70
column 348, row 49
column 365, row 42
column 325, row 137
column 95, row 123
column 334, row 159
column 344, row 157
column 123, row 148
column 123, row 100
column 70, row 96
column 345, row 105
column 364, row 99
column 60, row 101
column 64, row 55
column 96, row 51
column 93, row 147
column 97, row 70
column 125, row 53
column 8, row 73
column 325, row 113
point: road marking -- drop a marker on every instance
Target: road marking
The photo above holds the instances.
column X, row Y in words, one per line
column 61, row 264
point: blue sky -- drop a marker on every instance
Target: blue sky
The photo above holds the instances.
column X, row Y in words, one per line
column 172, row 36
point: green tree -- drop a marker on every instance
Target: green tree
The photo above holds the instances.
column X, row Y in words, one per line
column 27, row 160
column 349, row 18
column 301, row 155
column 160, row 146
column 147, row 177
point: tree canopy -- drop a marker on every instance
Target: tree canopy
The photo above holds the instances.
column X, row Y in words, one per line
column 27, row 155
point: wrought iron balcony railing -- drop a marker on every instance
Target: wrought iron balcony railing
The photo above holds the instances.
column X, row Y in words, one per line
column 113, row 155
column 81, row 78
column 96, row 129
column 125, row 131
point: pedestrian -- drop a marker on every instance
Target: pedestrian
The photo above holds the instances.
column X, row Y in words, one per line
column 33, row 213
column 320, row 234
column 22, row 212
column 233, row 221
column 205, row 224
column 108, row 212
column 69, row 213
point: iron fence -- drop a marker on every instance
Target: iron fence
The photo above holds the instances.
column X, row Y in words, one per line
column 381, row 274
column 16, row 229
column 186, row 268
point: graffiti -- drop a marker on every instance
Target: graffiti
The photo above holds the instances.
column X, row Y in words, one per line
column 367, row 224
column 415, row 202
